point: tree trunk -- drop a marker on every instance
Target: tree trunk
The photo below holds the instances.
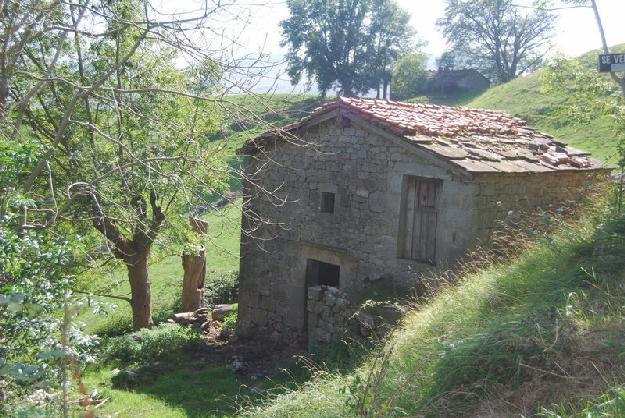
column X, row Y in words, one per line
column 194, row 266
column 4, row 93
column 141, row 301
column 385, row 88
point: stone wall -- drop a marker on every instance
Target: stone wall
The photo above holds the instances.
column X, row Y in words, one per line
column 365, row 170
column 500, row 196
column 328, row 314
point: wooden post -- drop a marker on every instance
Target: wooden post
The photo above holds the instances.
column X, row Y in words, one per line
column 194, row 267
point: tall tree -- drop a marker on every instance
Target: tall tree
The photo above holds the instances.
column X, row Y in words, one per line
column 350, row 44
column 325, row 39
column 120, row 133
column 502, row 39
column 390, row 36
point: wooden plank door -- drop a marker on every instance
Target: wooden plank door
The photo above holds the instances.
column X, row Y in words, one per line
column 419, row 219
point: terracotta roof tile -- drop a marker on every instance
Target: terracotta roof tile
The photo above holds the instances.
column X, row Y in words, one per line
column 474, row 139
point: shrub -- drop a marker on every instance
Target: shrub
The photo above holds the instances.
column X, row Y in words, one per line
column 147, row 345
column 222, row 289
column 230, row 321
column 409, row 76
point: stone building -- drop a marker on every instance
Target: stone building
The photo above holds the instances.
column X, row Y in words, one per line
column 370, row 191
column 445, row 82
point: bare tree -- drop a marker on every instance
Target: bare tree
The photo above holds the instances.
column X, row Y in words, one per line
column 496, row 36
column 592, row 4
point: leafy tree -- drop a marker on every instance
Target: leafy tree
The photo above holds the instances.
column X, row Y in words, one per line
column 325, row 40
column 121, row 134
column 502, row 39
column 409, row 76
column 37, row 272
column 352, row 43
column 390, row 36
column 447, row 61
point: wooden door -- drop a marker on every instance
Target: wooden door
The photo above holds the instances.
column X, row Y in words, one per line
column 418, row 222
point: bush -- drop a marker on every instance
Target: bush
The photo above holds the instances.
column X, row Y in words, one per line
column 230, row 321
column 409, row 77
column 222, row 289
column 148, row 345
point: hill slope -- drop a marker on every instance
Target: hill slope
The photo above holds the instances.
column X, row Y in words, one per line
column 526, row 98
column 523, row 97
column 545, row 330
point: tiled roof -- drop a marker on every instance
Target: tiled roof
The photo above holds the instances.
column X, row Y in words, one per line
column 475, row 139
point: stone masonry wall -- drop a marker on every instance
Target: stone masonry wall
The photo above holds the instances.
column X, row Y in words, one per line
column 499, row 196
column 365, row 171
column 329, row 311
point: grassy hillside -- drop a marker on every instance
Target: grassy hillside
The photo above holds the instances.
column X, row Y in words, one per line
column 544, row 330
column 524, row 98
column 544, row 333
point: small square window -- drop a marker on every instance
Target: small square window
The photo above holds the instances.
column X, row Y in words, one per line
column 327, row 202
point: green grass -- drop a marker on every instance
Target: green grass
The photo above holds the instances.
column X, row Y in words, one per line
column 169, row 371
column 186, row 390
column 534, row 328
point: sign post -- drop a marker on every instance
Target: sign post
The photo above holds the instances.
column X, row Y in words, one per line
column 609, row 63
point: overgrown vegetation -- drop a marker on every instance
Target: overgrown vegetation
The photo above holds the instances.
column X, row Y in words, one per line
column 222, row 289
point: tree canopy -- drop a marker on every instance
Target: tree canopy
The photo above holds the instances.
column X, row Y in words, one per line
column 117, row 133
column 501, row 39
column 349, row 44
column 409, row 76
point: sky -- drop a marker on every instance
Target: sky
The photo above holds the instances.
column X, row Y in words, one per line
column 575, row 31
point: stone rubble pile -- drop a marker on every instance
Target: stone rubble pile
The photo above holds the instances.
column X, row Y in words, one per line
column 331, row 317
column 208, row 320
column 328, row 314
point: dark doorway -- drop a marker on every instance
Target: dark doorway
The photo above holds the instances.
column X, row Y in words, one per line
column 319, row 273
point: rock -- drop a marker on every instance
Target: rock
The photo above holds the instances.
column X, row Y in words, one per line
column 206, row 326
column 237, row 364
column 365, row 319
column 202, row 312
column 220, row 312
column 185, row 318
column 86, row 401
